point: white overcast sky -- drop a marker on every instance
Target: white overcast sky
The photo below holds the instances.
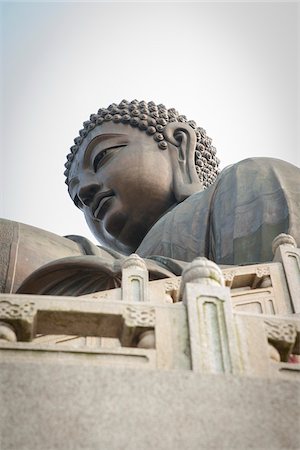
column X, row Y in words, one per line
column 232, row 67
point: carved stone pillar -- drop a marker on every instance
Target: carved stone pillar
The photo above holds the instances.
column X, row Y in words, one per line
column 212, row 336
column 285, row 251
column 134, row 280
column 18, row 318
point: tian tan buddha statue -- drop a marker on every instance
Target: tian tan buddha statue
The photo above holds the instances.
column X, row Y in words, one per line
column 147, row 181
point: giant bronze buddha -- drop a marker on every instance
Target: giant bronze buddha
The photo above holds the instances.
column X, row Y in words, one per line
column 147, row 181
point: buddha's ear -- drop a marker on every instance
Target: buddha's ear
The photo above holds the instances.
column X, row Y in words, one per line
column 181, row 140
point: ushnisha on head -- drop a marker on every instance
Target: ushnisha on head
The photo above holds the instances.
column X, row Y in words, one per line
column 152, row 119
column 131, row 164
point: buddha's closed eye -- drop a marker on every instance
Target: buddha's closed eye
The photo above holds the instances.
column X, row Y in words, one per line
column 104, row 155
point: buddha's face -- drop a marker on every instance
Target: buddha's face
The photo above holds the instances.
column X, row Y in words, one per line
column 122, row 182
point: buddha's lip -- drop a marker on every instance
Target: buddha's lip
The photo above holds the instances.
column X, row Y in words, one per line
column 98, row 202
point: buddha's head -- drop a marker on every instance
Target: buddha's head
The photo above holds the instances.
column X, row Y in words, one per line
column 133, row 162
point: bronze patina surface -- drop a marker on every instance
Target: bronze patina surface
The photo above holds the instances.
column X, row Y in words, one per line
column 147, row 181
column 139, row 195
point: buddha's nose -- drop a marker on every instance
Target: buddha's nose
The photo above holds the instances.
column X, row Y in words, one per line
column 87, row 192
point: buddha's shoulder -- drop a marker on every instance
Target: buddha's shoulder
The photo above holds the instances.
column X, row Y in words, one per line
column 246, row 178
column 236, row 184
column 258, row 174
column 254, row 184
column 259, row 165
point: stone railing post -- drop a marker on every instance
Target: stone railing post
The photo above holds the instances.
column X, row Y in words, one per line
column 211, row 327
column 134, row 279
column 285, row 251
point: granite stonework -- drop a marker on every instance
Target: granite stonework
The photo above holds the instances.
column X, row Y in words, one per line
column 68, row 405
column 206, row 360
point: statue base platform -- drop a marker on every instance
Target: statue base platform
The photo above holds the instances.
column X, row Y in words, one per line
column 74, row 406
column 210, row 360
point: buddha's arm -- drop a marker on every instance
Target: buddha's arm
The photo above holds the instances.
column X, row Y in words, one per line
column 25, row 248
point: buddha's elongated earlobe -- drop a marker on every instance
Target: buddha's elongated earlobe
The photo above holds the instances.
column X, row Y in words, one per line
column 181, row 140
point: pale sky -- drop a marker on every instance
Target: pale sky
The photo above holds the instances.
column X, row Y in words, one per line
column 231, row 67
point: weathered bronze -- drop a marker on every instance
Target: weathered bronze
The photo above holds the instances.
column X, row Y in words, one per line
column 135, row 194
column 147, row 181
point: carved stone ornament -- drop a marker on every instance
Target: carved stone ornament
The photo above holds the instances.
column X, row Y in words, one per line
column 281, row 331
column 262, row 271
column 138, row 317
column 134, row 261
column 172, row 289
column 229, row 276
column 7, row 333
column 282, row 335
column 202, row 271
column 9, row 310
column 283, row 239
